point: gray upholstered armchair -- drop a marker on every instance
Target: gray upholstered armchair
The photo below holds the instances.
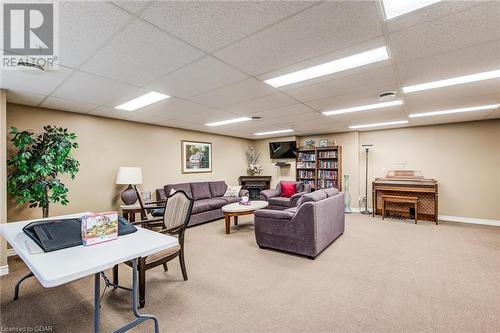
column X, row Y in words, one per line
column 278, row 202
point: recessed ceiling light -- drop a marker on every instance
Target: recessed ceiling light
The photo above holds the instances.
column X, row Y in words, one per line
column 394, row 8
column 363, row 107
column 142, row 101
column 274, row 132
column 453, row 81
column 470, row 109
column 331, row 67
column 399, row 122
column 229, row 121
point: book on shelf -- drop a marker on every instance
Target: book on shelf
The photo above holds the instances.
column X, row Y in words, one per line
column 328, row 154
column 305, row 174
column 328, row 183
column 328, row 174
column 306, row 165
column 309, row 182
column 328, row 164
column 303, row 156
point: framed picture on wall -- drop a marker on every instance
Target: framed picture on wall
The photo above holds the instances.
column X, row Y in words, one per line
column 196, row 156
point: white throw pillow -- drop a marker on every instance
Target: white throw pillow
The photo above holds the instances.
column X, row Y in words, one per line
column 232, row 191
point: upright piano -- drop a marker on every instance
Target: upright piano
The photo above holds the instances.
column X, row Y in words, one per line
column 407, row 183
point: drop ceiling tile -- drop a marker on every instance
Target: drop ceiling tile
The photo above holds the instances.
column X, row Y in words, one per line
column 315, row 126
column 371, row 116
column 472, row 94
column 140, row 54
column 371, row 81
column 345, row 101
column 429, row 13
column 471, row 60
column 134, row 93
column 318, row 30
column 475, row 26
column 104, row 111
column 212, row 24
column 328, row 57
column 84, row 26
column 201, row 76
column 450, row 118
column 134, row 7
column 67, row 105
column 285, row 113
column 177, row 110
column 261, row 104
column 179, row 124
column 234, row 93
column 42, row 83
column 210, row 116
column 22, row 97
column 88, row 88
column 298, row 118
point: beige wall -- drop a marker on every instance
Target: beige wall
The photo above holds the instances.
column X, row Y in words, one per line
column 463, row 157
column 3, row 173
column 106, row 144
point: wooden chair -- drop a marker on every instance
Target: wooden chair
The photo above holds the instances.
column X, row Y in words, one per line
column 147, row 210
column 178, row 208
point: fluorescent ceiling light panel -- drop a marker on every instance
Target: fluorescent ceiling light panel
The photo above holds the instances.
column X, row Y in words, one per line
column 229, row 121
column 364, row 107
column 470, row 109
column 453, row 81
column 274, row 132
column 342, row 64
column 394, row 8
column 142, row 101
column 399, row 122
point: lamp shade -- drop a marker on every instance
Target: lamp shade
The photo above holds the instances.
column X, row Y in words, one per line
column 129, row 175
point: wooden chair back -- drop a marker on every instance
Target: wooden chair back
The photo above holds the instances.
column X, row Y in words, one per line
column 178, row 209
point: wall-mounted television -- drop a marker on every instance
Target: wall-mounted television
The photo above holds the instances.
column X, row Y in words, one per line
column 284, row 149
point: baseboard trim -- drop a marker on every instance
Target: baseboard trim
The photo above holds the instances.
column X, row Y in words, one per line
column 459, row 219
column 11, row 252
column 4, row 270
column 471, row 220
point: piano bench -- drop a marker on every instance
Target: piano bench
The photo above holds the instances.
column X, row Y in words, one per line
column 400, row 200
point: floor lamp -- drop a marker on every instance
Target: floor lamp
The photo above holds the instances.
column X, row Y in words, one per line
column 366, row 211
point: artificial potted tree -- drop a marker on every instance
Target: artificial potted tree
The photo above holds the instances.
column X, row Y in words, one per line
column 38, row 162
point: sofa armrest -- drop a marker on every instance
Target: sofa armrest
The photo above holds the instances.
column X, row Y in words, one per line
column 273, row 214
column 295, row 198
column 266, row 194
column 243, row 193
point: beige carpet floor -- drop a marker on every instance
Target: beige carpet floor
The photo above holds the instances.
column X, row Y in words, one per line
column 380, row 276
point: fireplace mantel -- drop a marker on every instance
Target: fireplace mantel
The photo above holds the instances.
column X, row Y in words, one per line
column 255, row 184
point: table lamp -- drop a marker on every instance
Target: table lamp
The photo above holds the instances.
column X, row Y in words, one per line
column 131, row 176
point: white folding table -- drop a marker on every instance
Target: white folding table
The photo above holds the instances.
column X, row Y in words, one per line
column 59, row 267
